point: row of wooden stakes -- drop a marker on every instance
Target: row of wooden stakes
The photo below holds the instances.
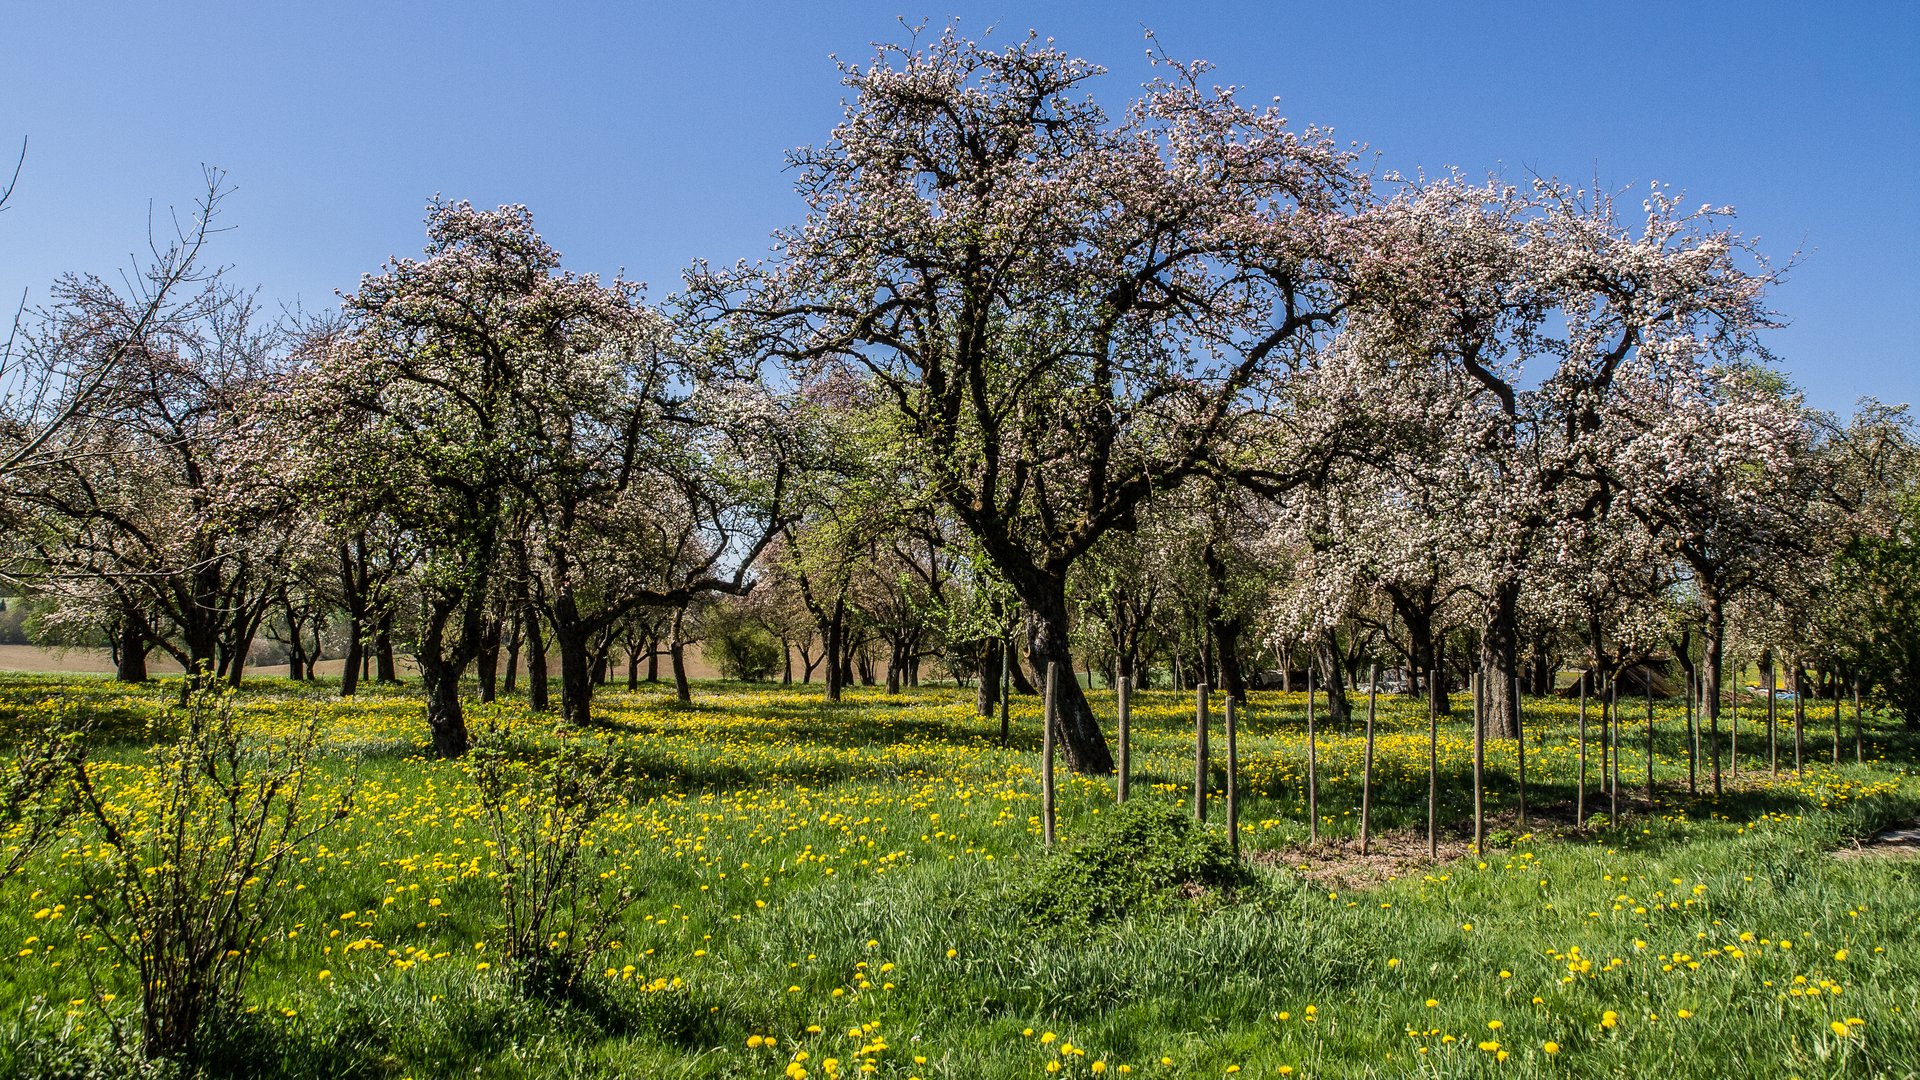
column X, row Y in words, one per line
column 1609, row 745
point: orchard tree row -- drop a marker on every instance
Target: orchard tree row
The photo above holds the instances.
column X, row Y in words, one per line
column 1184, row 393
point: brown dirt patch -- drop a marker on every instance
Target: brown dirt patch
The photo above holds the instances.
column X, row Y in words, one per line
column 1899, row 842
column 1338, row 864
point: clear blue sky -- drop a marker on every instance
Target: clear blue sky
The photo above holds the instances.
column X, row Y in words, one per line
column 644, row 136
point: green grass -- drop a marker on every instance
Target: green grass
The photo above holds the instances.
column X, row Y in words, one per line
column 782, row 843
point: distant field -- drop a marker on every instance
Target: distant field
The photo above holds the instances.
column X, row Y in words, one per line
column 37, row 660
column 835, row 891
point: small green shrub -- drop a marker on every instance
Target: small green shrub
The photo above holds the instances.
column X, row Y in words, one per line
column 1138, row 858
column 182, row 890
column 561, row 894
column 740, row 645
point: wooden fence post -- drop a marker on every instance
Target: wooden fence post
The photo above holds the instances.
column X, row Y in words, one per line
column 1693, row 739
column 1773, row 719
column 1836, row 718
column 1123, row 691
column 1479, row 768
column 1433, row 773
column 1233, row 781
column 1610, row 717
column 1366, row 764
column 1859, row 727
column 1733, row 732
column 1046, row 753
column 1006, row 722
column 1313, row 768
column 1799, row 723
column 1200, row 752
column 1580, row 776
column 1647, row 673
column 1520, row 749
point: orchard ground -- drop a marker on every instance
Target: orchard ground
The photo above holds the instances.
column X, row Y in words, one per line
column 831, row 890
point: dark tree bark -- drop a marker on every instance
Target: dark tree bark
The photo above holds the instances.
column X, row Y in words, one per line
column 487, row 662
column 512, row 679
column 445, row 719
column 1017, row 674
column 1075, row 728
column 537, row 690
column 986, row 696
column 384, row 669
column 1333, row 677
column 677, row 651
column 576, row 674
column 356, row 658
column 441, row 664
column 832, row 631
column 1500, row 660
column 130, row 652
column 1715, row 641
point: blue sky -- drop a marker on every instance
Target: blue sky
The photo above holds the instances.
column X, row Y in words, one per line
column 646, row 135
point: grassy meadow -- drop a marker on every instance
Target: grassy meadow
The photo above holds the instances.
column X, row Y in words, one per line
column 836, row 890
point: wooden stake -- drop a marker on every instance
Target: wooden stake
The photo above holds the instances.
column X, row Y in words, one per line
column 1433, row 773
column 1479, row 767
column 1646, row 671
column 1200, row 752
column 1233, row 781
column 1693, row 741
column 1610, row 719
column 1799, row 723
column 1366, row 764
column 1859, row 729
column 1123, row 690
column 1773, row 719
column 1733, row 732
column 1313, row 769
column 1580, row 783
column 1046, row 754
column 1836, row 719
column 1520, row 749
column 1006, row 656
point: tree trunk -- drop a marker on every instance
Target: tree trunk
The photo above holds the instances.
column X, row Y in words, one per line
column 384, row 669
column 830, row 634
column 130, row 659
column 356, row 657
column 682, row 690
column 633, row 669
column 653, row 660
column 1018, row 675
column 1333, row 675
column 444, row 716
column 1715, row 643
column 1075, row 728
column 512, row 679
column 1420, row 644
column 576, row 672
column 487, row 663
column 537, row 690
column 987, row 694
column 1541, row 683
column 1226, row 636
column 1499, row 661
